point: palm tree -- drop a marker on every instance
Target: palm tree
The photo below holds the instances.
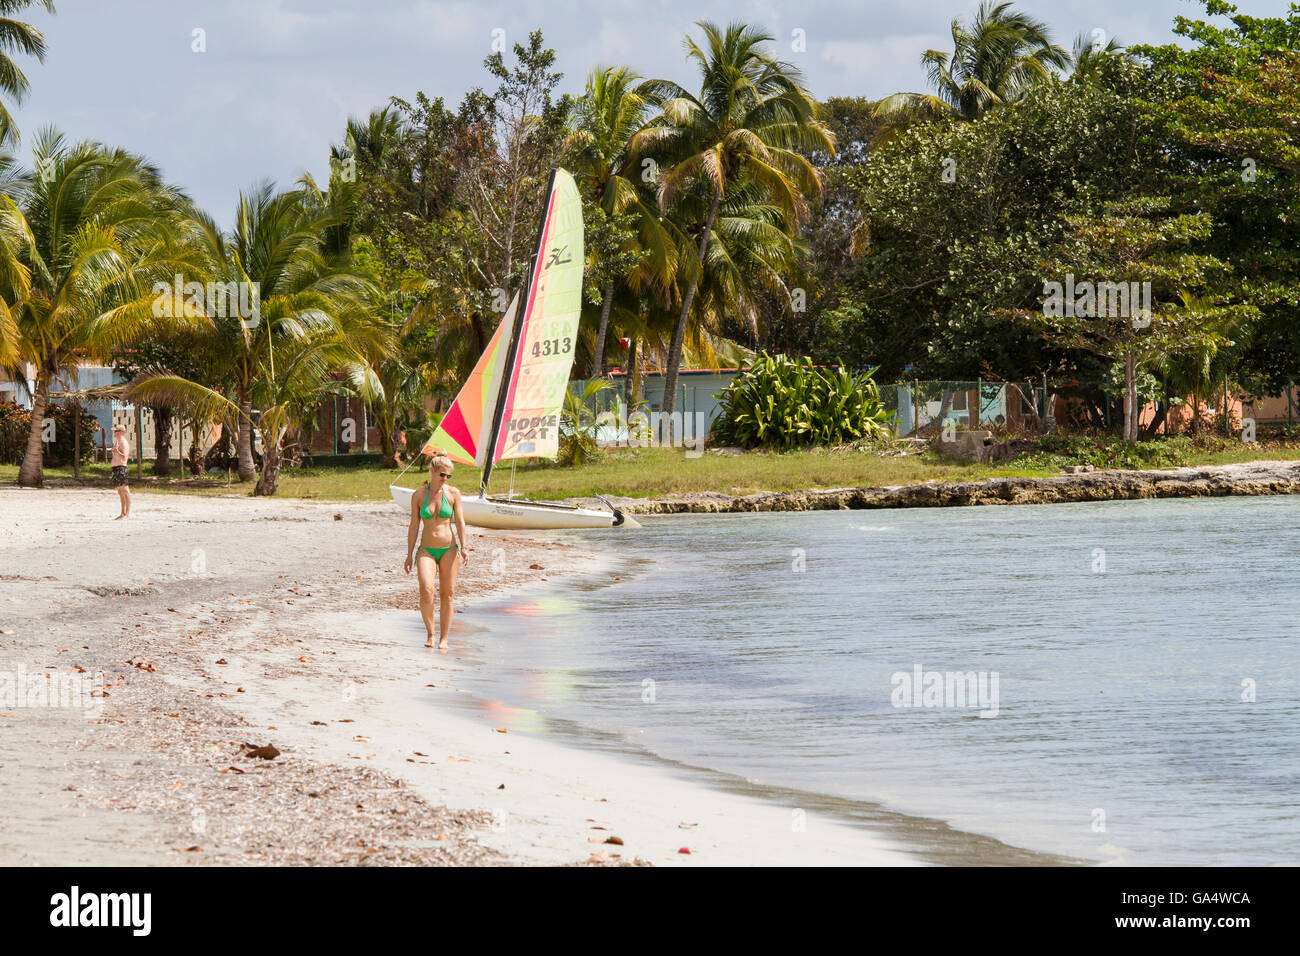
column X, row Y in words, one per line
column 316, row 316
column 283, row 392
column 23, row 38
column 751, row 118
column 1200, row 369
column 607, row 116
column 1090, row 54
column 101, row 229
column 752, row 250
column 276, row 247
column 15, row 280
column 994, row 60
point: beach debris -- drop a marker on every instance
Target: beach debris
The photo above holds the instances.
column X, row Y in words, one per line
column 222, row 661
column 617, row 841
column 686, row 826
column 338, row 516
column 536, row 567
column 685, row 849
column 267, row 752
column 418, row 754
column 230, row 770
column 501, row 730
column 144, row 666
column 501, row 787
column 319, row 723
column 361, row 739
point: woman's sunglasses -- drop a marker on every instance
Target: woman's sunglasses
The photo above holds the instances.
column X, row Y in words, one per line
column 445, row 474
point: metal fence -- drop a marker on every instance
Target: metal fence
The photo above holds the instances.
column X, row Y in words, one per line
column 920, row 406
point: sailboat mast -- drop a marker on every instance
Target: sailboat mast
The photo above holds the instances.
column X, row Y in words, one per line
column 515, row 335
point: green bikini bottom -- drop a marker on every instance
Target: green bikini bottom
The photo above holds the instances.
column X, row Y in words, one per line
column 437, row 553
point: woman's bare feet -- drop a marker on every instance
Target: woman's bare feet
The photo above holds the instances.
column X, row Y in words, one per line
column 429, row 642
column 442, row 645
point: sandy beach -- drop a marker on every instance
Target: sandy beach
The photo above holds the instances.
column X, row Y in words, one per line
column 223, row 623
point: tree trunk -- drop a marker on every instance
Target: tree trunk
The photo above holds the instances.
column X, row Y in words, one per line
column 679, row 333
column 194, row 448
column 1130, row 398
column 269, row 480
column 386, row 425
column 76, row 440
column 598, row 363
column 945, row 405
column 244, row 436
column 162, row 440
column 632, row 380
column 31, row 474
column 1162, row 411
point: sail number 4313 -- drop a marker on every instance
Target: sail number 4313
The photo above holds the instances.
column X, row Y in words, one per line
column 547, row 347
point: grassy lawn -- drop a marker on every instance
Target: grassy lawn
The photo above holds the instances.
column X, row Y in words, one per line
column 654, row 472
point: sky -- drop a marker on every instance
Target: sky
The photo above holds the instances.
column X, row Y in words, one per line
column 275, row 80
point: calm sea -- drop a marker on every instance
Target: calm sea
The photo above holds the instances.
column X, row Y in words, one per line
column 1137, row 662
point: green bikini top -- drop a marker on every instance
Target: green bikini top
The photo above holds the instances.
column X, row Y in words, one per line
column 444, row 511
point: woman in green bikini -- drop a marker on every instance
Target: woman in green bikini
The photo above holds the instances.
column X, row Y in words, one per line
column 439, row 555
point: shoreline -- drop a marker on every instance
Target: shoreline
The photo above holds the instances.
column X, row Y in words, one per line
column 1209, row 481
column 285, row 623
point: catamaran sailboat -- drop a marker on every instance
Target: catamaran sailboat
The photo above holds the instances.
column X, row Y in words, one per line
column 509, row 408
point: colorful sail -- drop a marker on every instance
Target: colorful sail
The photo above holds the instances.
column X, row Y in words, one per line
column 530, row 425
column 465, row 430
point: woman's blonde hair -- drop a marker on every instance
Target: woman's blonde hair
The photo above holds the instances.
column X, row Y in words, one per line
column 438, row 459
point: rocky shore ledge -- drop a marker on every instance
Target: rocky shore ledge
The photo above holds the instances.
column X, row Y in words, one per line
column 1211, row 481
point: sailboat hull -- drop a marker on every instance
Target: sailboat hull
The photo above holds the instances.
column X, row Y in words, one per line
column 523, row 516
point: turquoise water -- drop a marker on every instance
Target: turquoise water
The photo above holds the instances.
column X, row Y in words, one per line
column 1124, row 636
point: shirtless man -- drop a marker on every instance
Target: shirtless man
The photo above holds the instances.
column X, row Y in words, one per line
column 121, row 453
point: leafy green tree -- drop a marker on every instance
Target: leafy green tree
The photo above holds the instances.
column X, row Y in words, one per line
column 955, row 223
column 1126, row 246
column 1232, row 103
column 802, row 321
column 467, row 257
